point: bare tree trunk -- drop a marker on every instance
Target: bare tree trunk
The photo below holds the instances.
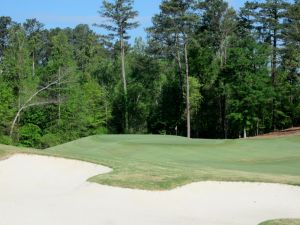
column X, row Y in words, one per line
column 33, row 64
column 106, row 114
column 179, row 64
column 124, row 82
column 274, row 71
column 59, row 94
column 188, row 111
column 245, row 133
column 19, row 100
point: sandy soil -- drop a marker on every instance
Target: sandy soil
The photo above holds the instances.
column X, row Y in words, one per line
column 37, row 190
column 295, row 131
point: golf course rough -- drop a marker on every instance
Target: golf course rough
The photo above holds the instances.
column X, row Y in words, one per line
column 282, row 222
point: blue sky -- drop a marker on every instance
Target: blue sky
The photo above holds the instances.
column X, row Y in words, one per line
column 69, row 13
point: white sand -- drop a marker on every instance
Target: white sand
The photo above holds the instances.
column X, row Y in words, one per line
column 37, row 190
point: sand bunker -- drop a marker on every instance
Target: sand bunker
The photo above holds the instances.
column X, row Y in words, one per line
column 36, row 190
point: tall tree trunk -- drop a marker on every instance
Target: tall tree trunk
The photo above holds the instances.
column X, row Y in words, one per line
column 179, row 64
column 124, row 83
column 274, row 70
column 224, row 119
column 188, row 108
column 33, row 64
column 59, row 94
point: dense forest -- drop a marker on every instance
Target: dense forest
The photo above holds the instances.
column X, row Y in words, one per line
column 204, row 71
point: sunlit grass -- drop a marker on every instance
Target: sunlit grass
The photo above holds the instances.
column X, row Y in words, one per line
column 165, row 162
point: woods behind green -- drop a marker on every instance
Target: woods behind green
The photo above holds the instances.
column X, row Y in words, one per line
column 205, row 68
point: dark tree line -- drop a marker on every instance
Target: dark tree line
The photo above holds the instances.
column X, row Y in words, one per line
column 205, row 71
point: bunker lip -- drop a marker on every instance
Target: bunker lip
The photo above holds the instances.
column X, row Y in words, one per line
column 53, row 191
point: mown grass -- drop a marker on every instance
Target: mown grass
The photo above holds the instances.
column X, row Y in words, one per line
column 165, row 162
column 282, row 222
column 6, row 150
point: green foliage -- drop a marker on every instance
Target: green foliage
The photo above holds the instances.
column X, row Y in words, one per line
column 92, row 107
column 195, row 95
column 50, row 140
column 16, row 63
column 5, row 23
column 6, row 140
column 6, row 106
column 30, row 135
column 120, row 15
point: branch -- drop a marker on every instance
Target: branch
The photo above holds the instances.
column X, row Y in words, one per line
column 41, row 103
column 26, row 104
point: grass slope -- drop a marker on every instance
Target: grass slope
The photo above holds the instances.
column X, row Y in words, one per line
column 165, row 162
column 281, row 222
column 6, row 150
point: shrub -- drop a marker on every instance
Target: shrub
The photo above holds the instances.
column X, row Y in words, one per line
column 30, row 135
column 50, row 140
column 6, row 140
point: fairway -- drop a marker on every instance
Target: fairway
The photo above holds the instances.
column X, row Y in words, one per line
column 165, row 162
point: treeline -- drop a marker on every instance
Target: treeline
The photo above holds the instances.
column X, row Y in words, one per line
column 206, row 70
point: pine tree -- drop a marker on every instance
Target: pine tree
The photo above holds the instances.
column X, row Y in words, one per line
column 120, row 17
column 174, row 26
column 267, row 20
column 5, row 23
column 291, row 60
column 33, row 30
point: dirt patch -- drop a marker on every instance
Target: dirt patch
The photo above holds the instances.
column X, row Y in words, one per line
column 288, row 132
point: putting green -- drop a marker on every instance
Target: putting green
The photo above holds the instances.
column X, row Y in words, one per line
column 165, row 162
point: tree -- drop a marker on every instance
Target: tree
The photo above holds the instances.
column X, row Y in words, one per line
column 6, row 106
column 291, row 60
column 33, row 32
column 5, row 23
column 249, row 92
column 120, row 16
column 16, row 66
column 28, row 102
column 85, row 46
column 61, row 64
column 267, row 20
column 215, row 31
column 175, row 25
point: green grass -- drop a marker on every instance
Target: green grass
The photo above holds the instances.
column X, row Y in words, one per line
column 165, row 162
column 281, row 222
column 6, row 150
